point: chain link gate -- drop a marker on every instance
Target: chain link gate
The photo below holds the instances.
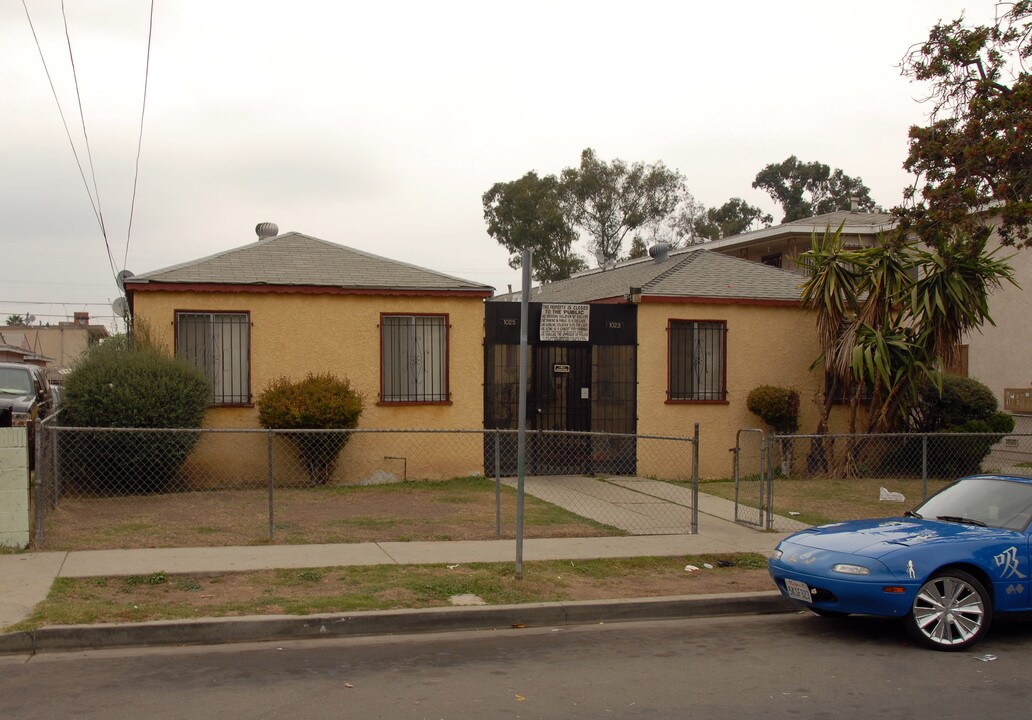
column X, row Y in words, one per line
column 752, row 479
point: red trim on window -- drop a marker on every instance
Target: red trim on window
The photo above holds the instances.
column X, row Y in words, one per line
column 723, row 371
column 447, row 360
column 250, row 344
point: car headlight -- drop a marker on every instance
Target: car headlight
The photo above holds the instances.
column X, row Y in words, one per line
column 847, row 569
column 20, row 419
column 776, row 555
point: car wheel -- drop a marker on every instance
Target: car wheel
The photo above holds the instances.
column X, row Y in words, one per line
column 952, row 611
column 827, row 613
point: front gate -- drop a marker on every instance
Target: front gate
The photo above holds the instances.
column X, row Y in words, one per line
column 573, row 387
column 752, row 483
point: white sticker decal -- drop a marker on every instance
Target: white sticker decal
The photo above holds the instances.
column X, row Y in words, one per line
column 1008, row 560
column 911, row 573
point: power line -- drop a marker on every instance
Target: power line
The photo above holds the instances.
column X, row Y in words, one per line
column 68, row 133
column 139, row 142
column 86, row 138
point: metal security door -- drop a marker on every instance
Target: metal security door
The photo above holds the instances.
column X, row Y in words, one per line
column 562, row 402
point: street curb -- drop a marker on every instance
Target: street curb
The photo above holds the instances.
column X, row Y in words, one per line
column 217, row 631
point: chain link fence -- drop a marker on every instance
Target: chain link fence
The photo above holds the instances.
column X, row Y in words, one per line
column 816, row 479
column 119, row 487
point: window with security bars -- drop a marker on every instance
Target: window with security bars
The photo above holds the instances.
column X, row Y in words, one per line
column 220, row 345
column 414, row 358
column 696, row 360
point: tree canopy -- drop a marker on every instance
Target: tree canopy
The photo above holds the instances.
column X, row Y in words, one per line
column 804, row 189
column 734, row 217
column 609, row 200
column 527, row 214
column 976, row 151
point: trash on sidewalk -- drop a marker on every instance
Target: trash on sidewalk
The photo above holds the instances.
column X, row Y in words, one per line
column 707, row 566
column 886, row 496
column 690, row 568
column 985, row 658
column 793, row 513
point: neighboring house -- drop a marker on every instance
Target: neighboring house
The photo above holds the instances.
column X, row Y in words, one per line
column 62, row 345
column 991, row 355
column 409, row 339
column 672, row 341
column 15, row 347
column 780, row 246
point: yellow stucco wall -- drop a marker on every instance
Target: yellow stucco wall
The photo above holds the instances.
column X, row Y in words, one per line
column 294, row 334
column 766, row 345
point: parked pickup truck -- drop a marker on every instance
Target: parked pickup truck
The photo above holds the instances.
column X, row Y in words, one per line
column 24, row 396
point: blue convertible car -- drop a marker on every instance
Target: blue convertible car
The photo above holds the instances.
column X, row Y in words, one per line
column 945, row 567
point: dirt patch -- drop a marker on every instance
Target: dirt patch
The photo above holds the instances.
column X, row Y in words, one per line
column 449, row 510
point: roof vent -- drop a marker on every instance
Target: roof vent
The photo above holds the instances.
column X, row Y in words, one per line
column 659, row 252
column 266, row 230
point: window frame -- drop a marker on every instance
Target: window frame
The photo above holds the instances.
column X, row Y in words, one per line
column 719, row 326
column 246, row 357
column 445, row 394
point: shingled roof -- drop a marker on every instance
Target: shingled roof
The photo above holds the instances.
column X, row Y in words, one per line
column 699, row 274
column 296, row 260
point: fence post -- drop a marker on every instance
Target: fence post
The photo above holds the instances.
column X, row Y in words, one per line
column 695, row 482
column 38, row 485
column 498, row 484
column 924, row 466
column 272, row 524
column 772, row 440
column 56, row 480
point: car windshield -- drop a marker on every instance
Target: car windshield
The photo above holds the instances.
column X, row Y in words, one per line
column 982, row 501
column 15, row 381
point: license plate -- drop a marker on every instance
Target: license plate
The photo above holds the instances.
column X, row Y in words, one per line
column 798, row 591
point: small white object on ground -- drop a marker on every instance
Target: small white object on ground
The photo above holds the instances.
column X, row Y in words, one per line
column 690, row 568
column 886, row 496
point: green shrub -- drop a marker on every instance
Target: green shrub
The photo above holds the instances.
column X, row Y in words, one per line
column 776, row 406
column 318, row 402
column 118, row 384
column 961, row 400
column 966, row 423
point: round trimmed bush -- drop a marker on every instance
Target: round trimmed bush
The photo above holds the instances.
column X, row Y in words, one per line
column 318, row 402
column 776, row 406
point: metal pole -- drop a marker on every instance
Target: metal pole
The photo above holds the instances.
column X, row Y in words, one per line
column 770, row 480
column 498, row 485
column 695, row 482
column 272, row 523
column 924, row 466
column 521, row 444
column 57, row 469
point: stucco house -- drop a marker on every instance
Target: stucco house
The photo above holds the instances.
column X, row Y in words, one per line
column 408, row 338
column 672, row 340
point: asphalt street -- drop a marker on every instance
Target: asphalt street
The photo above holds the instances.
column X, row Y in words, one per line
column 781, row 666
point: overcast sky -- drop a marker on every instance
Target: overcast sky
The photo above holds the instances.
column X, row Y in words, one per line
column 380, row 125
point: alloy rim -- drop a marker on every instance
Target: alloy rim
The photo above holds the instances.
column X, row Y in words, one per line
column 948, row 611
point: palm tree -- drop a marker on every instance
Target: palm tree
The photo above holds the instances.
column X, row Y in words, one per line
column 15, row 320
column 889, row 315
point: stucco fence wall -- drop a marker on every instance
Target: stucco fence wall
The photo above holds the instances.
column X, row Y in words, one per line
column 14, row 487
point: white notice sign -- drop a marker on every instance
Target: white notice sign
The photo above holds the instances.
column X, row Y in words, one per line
column 564, row 322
